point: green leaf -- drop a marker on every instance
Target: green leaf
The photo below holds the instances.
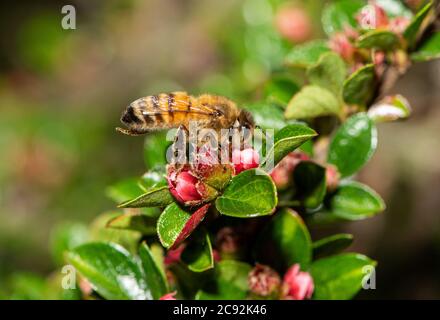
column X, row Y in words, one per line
column 284, row 241
column 339, row 14
column 124, row 190
column 252, row 193
column 153, row 274
column 66, row 236
column 155, row 148
column 331, row 245
column 111, row 271
column 307, row 54
column 197, row 255
column 175, row 224
column 310, row 183
column 378, row 39
column 267, row 115
column 353, row 144
column 311, row 102
column 339, row 277
column 152, row 179
column 360, row 85
column 155, row 197
column 390, row 109
column 429, row 50
column 287, row 140
column 134, row 221
column 230, row 282
column 99, row 232
column 413, row 30
column 355, row 201
column 280, row 89
column 328, row 73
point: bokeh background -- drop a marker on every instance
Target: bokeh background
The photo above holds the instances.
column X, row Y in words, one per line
column 62, row 91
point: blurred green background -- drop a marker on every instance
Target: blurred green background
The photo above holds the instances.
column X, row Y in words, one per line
column 62, row 91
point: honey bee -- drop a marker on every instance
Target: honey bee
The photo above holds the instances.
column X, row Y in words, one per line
column 177, row 109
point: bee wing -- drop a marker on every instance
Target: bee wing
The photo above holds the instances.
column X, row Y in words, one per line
column 179, row 105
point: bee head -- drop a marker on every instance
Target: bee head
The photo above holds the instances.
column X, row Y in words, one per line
column 245, row 119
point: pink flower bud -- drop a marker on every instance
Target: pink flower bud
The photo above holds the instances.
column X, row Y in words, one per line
column 245, row 159
column 282, row 173
column 264, row 281
column 399, row 24
column 341, row 44
column 228, row 240
column 169, row 296
column 332, row 176
column 297, row 285
column 294, row 24
column 372, row 16
column 183, row 186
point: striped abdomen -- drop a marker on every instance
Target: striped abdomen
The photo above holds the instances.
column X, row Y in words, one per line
column 170, row 110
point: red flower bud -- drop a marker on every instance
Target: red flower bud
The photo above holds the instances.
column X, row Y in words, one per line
column 191, row 187
column 245, row 159
column 282, row 173
column 297, row 285
column 169, row 296
column 264, row 281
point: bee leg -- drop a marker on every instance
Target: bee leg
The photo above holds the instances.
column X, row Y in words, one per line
column 129, row 132
column 179, row 145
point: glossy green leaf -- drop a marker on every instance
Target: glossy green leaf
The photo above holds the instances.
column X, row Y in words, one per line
column 284, row 241
column 429, row 50
column 197, row 255
column 339, row 277
column 111, row 271
column 230, row 282
column 328, row 73
column 175, row 224
column 305, row 55
column 287, row 140
column 134, row 221
column 66, row 236
column 252, row 193
column 124, row 190
column 280, row 89
column 355, row 201
column 154, row 277
column 359, row 86
column 155, row 148
column 390, row 109
column 413, row 30
column 155, row 197
column 340, row 14
column 152, row 179
column 310, row 183
column 378, row 39
column 331, row 245
column 353, row 144
column 267, row 115
column 311, row 102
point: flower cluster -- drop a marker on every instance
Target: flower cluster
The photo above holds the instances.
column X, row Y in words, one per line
column 201, row 182
column 266, row 283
